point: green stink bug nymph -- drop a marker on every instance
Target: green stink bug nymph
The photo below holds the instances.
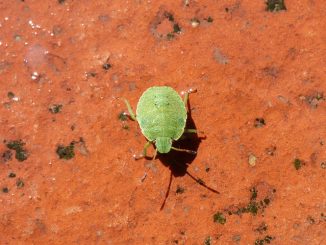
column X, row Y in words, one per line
column 162, row 115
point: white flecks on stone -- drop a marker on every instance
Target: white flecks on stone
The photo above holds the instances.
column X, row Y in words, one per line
column 35, row 75
column 33, row 25
column 15, row 98
column 252, row 160
column 195, row 23
column 73, row 210
column 30, row 22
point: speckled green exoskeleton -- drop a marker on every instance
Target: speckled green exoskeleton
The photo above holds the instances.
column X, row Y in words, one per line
column 162, row 115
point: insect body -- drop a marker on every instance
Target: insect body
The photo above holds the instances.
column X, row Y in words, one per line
column 162, row 116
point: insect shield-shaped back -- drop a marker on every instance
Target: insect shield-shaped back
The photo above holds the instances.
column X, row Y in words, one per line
column 162, row 116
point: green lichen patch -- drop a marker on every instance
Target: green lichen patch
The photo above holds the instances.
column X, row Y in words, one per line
column 259, row 122
column 208, row 240
column 66, row 152
column 252, row 208
column 125, row 126
column 253, row 192
column 161, row 17
column 323, row 217
column 266, row 240
column 90, row 74
column 106, row 66
column 260, row 198
column 275, row 5
column 10, row 95
column 123, row 116
column 297, row 163
column 55, row 108
column 176, row 28
column 180, row 190
column 170, row 36
column 21, row 155
column 323, row 165
column 20, row 183
column 314, row 99
column 169, row 16
column 311, row 220
column 209, row 19
column 261, row 228
column 270, row 150
column 219, row 218
column 18, row 146
column 11, row 175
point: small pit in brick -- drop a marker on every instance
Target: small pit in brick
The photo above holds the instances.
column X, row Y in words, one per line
column 259, row 122
column 164, row 25
column 6, row 156
column 275, row 5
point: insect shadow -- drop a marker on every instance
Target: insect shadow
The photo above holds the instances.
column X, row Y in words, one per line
column 184, row 150
column 178, row 162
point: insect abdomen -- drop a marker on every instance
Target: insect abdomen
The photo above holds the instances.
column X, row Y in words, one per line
column 161, row 113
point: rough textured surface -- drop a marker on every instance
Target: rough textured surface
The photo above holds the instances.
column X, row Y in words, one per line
column 66, row 173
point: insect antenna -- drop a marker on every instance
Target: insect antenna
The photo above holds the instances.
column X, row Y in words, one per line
column 168, row 191
column 202, row 183
column 198, row 180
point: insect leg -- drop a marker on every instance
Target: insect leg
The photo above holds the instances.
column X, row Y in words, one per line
column 148, row 143
column 195, row 131
column 168, row 191
column 186, row 95
column 131, row 113
column 191, row 131
column 155, row 153
column 184, row 150
column 202, row 183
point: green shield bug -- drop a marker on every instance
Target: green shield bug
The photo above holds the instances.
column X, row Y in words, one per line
column 161, row 114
